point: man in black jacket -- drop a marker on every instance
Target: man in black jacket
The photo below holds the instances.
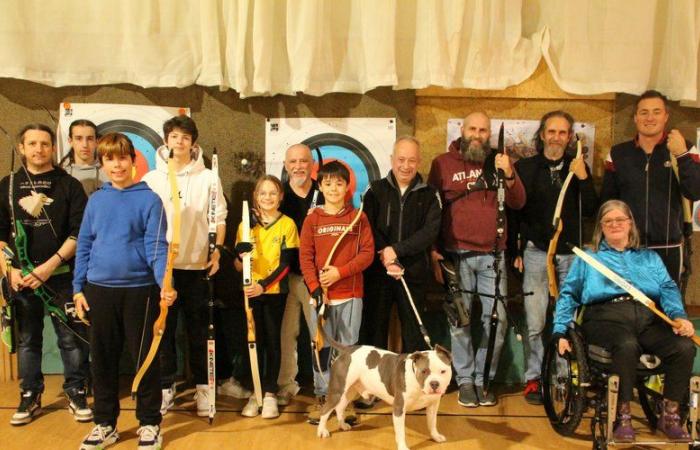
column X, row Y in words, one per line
column 405, row 216
column 543, row 176
column 651, row 173
column 41, row 208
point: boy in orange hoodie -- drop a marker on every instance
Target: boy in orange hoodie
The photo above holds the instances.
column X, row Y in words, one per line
column 342, row 277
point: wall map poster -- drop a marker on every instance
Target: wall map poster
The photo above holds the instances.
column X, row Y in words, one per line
column 520, row 134
column 142, row 124
column 363, row 145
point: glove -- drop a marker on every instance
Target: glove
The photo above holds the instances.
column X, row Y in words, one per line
column 317, row 295
column 243, row 247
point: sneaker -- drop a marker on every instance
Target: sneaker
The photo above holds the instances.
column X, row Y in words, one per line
column 486, row 399
column 251, row 409
column 467, row 396
column 533, row 392
column 232, row 388
column 362, row 403
column 201, row 398
column 77, row 405
column 314, row 415
column 269, row 407
column 284, row 395
column 100, row 437
column 29, row 407
column 168, row 400
column 149, row 437
column 350, row 416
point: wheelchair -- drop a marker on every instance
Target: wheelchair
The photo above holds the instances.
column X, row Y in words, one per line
column 581, row 380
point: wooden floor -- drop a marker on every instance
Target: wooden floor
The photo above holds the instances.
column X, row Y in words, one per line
column 512, row 424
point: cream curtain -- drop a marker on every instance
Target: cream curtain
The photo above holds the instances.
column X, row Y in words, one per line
column 599, row 46
column 268, row 47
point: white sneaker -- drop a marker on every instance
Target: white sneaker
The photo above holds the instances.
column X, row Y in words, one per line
column 269, row 408
column 100, row 437
column 168, row 400
column 232, row 388
column 251, row 409
column 149, row 437
column 202, row 399
column 284, row 395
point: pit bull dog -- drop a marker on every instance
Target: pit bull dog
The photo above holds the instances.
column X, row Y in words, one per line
column 409, row 382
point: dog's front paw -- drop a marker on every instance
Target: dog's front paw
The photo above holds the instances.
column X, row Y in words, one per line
column 437, row 437
column 402, row 446
column 323, row 432
column 344, row 426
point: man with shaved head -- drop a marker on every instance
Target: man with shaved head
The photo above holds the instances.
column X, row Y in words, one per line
column 466, row 178
column 405, row 216
column 301, row 194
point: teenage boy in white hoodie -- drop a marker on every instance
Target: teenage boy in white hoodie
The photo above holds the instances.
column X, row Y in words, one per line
column 194, row 181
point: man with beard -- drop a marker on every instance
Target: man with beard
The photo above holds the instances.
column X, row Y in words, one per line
column 543, row 175
column 466, row 178
column 301, row 195
column 651, row 173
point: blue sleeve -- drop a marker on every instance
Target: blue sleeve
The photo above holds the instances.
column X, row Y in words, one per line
column 86, row 236
column 155, row 240
column 569, row 296
column 670, row 295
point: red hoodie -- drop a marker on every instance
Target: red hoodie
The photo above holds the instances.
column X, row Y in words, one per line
column 354, row 253
column 469, row 222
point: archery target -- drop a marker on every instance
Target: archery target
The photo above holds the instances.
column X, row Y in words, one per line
column 363, row 145
column 142, row 124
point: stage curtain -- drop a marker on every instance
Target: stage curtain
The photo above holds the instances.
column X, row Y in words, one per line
column 268, row 47
column 599, row 46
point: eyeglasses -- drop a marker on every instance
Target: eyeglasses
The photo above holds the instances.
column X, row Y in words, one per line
column 617, row 221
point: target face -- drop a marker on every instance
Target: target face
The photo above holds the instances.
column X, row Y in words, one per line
column 363, row 146
column 142, row 124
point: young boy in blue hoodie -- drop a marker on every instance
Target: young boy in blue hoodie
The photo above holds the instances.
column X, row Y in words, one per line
column 120, row 262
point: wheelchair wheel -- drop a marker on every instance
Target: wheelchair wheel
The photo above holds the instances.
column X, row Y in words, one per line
column 564, row 382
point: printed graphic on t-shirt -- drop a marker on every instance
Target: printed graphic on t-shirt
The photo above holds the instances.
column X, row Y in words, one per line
column 34, row 203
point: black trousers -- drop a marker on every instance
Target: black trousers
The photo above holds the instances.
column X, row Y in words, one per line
column 192, row 299
column 628, row 329
column 672, row 258
column 230, row 327
column 117, row 317
column 380, row 294
column 268, row 310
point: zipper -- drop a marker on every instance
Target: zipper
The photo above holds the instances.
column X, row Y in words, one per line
column 646, row 203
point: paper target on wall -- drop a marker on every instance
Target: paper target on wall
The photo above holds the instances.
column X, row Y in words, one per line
column 141, row 123
column 363, row 145
column 520, row 134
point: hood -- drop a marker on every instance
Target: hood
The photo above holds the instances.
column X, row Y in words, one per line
column 81, row 167
column 195, row 165
column 140, row 186
column 348, row 210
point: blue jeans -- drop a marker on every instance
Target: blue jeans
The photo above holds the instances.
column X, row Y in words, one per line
column 30, row 320
column 476, row 273
column 535, row 281
column 343, row 325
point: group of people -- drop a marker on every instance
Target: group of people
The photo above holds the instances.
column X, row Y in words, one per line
column 109, row 261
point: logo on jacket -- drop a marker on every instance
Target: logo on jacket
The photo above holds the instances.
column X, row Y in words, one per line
column 34, row 203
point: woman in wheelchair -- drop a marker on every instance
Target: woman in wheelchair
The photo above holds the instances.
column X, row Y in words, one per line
column 625, row 327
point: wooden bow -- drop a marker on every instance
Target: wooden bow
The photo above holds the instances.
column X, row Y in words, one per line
column 173, row 250
column 250, row 320
column 557, row 226
column 317, row 341
column 629, row 288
